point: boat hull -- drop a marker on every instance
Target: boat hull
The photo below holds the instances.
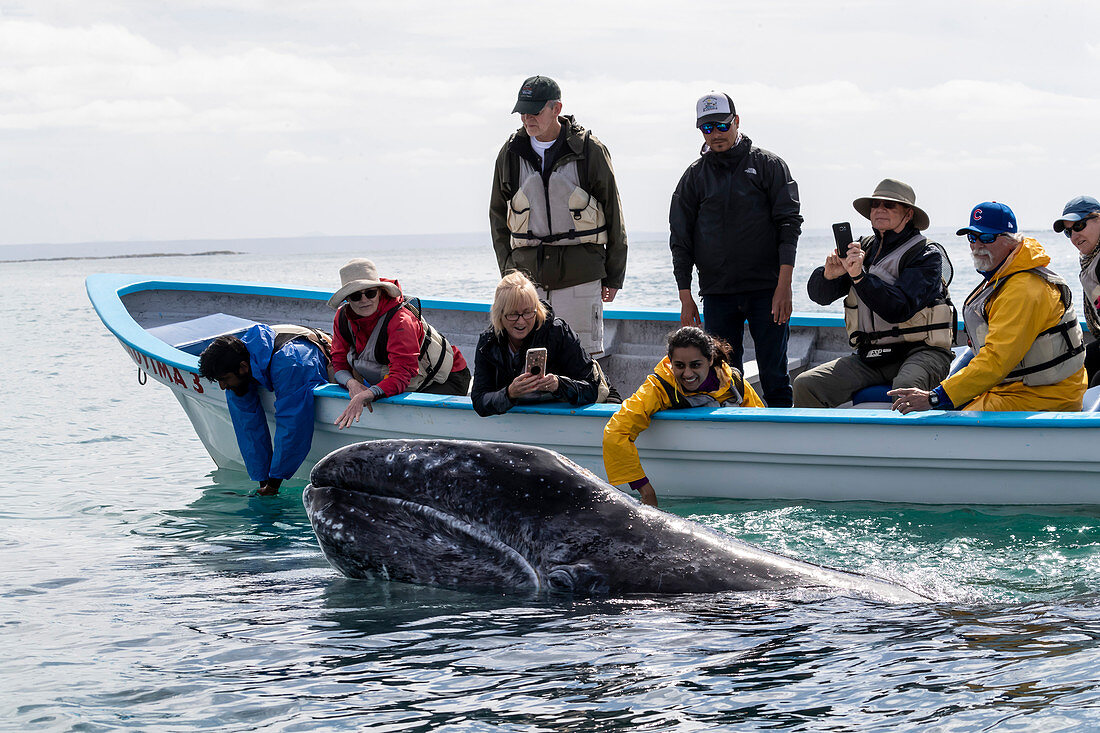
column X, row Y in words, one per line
column 827, row 455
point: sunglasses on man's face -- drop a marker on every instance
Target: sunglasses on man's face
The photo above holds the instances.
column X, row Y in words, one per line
column 983, row 238
column 1077, row 226
column 369, row 294
column 709, row 127
column 888, row 205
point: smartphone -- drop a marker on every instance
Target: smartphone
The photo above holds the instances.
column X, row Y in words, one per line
column 536, row 361
column 842, row 235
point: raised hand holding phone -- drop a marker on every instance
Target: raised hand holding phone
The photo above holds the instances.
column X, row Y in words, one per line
column 834, row 263
column 842, row 236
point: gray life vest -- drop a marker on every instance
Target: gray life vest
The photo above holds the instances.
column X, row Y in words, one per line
column 1091, row 283
column 1057, row 353
column 560, row 213
column 372, row 364
column 935, row 325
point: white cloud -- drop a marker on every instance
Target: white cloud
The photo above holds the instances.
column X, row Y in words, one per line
column 300, row 112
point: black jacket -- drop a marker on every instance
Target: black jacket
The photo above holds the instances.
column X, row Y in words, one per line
column 734, row 217
column 919, row 282
column 495, row 367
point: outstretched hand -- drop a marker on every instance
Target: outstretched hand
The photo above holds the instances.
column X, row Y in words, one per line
column 354, row 409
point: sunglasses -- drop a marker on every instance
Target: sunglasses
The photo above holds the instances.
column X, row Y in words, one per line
column 888, row 205
column 1077, row 226
column 983, row 238
column 709, row 127
column 525, row 315
column 369, row 294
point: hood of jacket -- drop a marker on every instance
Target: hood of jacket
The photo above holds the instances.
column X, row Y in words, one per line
column 574, row 136
column 260, row 342
column 724, row 371
column 1028, row 254
column 727, row 158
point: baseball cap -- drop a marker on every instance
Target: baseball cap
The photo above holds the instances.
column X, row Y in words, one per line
column 535, row 93
column 714, row 107
column 990, row 217
column 1076, row 210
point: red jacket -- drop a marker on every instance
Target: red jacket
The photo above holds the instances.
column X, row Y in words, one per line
column 404, row 336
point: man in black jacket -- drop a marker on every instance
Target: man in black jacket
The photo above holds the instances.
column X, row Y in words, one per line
column 896, row 308
column 735, row 218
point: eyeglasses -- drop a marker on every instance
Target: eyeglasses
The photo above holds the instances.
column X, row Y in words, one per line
column 525, row 315
column 1077, row 226
column 709, row 127
column 369, row 294
column 983, row 238
column 888, row 205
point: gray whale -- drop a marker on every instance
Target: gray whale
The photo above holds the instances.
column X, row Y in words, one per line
column 470, row 515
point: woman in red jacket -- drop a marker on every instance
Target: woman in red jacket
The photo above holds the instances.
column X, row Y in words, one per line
column 381, row 346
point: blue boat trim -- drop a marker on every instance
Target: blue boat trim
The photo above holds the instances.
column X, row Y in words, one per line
column 105, row 291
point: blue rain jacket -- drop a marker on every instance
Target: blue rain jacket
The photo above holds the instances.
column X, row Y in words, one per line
column 291, row 373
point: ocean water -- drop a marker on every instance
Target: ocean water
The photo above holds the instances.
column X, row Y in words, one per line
column 143, row 589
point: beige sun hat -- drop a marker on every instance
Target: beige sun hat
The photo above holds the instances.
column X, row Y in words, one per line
column 891, row 189
column 359, row 274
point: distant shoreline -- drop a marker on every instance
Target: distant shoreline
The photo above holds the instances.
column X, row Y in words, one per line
column 130, row 256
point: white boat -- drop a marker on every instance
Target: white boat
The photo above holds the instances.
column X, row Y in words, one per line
column 832, row 455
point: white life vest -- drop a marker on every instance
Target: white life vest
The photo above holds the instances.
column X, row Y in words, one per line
column 1057, row 353
column 561, row 213
column 934, row 325
column 372, row 364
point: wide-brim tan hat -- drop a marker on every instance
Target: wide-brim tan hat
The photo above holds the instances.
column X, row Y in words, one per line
column 359, row 274
column 891, row 189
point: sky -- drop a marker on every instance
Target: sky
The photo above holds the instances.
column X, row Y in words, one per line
column 134, row 120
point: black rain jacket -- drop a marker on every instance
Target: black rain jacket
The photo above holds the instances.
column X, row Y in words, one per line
column 734, row 217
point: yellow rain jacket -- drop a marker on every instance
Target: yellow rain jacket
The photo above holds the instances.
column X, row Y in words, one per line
column 1025, row 306
column 620, row 457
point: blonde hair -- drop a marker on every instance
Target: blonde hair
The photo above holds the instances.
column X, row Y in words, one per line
column 515, row 292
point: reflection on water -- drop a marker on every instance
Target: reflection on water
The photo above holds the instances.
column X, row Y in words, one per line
column 142, row 591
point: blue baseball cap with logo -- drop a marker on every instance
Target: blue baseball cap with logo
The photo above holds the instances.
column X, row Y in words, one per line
column 1077, row 209
column 990, row 217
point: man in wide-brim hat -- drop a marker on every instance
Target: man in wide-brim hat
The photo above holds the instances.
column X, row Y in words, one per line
column 896, row 307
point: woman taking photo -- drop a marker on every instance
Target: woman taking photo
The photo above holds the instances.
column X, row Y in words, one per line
column 696, row 373
column 378, row 340
column 519, row 321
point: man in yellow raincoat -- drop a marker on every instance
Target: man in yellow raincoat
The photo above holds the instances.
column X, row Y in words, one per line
column 1027, row 342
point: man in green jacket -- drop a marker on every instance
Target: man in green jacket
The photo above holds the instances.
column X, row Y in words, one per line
column 554, row 212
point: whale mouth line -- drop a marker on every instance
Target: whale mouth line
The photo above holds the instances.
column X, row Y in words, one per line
column 328, row 516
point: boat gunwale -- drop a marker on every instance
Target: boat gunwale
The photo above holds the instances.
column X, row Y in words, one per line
column 106, row 290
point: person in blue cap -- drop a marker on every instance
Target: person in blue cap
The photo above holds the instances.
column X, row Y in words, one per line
column 1028, row 346
column 1080, row 222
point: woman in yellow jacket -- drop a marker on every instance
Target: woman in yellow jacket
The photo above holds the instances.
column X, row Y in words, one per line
column 696, row 373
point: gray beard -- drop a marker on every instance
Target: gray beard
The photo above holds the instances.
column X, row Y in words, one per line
column 983, row 260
